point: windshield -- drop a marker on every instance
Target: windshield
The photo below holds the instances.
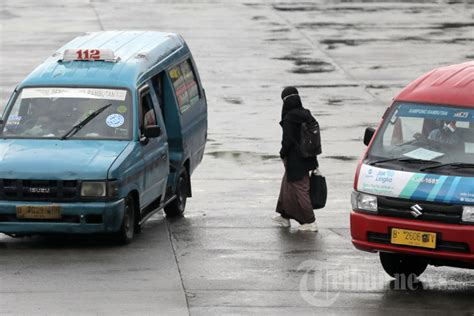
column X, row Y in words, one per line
column 52, row 112
column 427, row 134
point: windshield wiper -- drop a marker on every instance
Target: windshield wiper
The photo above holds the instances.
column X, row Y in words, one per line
column 454, row 165
column 403, row 159
column 76, row 128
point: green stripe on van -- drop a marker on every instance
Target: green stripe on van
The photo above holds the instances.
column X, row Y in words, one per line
column 434, row 192
column 412, row 185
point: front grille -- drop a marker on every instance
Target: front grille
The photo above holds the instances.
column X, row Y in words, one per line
column 432, row 211
column 38, row 190
column 441, row 245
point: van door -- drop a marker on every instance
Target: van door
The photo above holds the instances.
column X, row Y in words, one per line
column 197, row 114
column 154, row 150
column 192, row 106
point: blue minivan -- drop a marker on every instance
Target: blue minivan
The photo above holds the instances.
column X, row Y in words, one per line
column 101, row 136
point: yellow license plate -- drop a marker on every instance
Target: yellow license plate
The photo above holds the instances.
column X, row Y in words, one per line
column 413, row 238
column 38, row 212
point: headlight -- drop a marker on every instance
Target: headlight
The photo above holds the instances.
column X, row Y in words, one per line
column 363, row 202
column 468, row 214
column 94, row 189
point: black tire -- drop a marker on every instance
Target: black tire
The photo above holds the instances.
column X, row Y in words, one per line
column 401, row 265
column 177, row 206
column 127, row 229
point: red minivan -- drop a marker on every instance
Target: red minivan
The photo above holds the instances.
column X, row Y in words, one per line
column 413, row 198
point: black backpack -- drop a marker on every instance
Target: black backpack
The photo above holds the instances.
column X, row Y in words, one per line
column 310, row 139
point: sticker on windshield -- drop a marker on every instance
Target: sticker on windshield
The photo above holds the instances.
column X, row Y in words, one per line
column 13, row 121
column 423, row 154
column 394, row 118
column 114, row 120
column 436, row 112
column 84, row 93
column 122, row 109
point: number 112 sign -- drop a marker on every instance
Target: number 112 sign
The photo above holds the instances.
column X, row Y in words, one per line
column 89, row 55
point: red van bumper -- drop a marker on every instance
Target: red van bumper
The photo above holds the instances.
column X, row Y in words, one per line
column 372, row 233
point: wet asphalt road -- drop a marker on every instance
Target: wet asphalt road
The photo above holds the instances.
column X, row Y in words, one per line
column 348, row 58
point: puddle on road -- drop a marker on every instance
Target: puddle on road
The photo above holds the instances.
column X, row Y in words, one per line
column 293, row 57
column 320, row 114
column 216, row 144
column 338, row 100
column 445, row 26
column 342, row 158
column 413, row 39
column 304, row 65
column 290, row 8
column 334, row 43
column 253, row 5
column 243, row 157
column 335, row 102
column 280, row 30
column 331, row 25
column 5, row 15
column 233, row 100
column 318, row 86
column 281, row 39
column 358, row 6
column 377, row 86
column 275, row 24
column 430, row 30
column 435, row 28
column 459, row 40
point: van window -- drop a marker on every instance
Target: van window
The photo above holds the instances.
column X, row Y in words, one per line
column 185, row 85
column 191, row 83
column 444, row 134
column 402, row 130
column 180, row 88
column 51, row 112
column 147, row 110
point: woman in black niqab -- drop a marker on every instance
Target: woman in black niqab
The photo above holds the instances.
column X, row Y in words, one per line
column 294, row 201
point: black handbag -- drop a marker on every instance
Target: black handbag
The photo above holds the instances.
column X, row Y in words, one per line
column 318, row 190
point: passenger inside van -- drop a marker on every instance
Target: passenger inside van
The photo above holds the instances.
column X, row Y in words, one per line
column 446, row 133
column 149, row 117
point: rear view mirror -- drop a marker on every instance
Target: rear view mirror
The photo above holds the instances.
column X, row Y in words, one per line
column 369, row 133
column 152, row 131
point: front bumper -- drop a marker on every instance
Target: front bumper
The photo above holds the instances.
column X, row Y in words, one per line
column 369, row 233
column 77, row 218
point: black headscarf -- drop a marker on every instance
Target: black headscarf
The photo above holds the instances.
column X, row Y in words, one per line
column 291, row 100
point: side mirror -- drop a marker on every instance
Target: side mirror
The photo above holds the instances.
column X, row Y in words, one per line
column 369, row 133
column 152, row 131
